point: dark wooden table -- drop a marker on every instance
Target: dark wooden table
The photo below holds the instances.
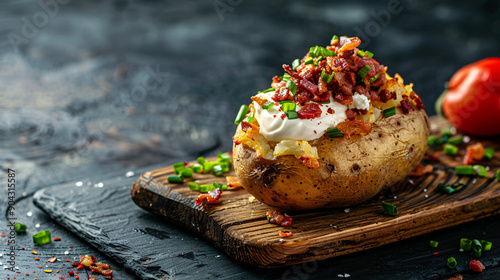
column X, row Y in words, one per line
column 93, row 89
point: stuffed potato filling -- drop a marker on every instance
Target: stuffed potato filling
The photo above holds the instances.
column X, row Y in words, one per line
column 336, row 90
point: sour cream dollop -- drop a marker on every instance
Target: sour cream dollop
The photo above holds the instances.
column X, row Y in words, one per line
column 275, row 129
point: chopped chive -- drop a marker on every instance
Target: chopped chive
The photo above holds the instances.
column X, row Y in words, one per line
column 431, row 141
column 498, row 175
column 287, row 107
column 295, row 64
column 318, row 60
column 241, row 114
column 455, row 140
column 205, row 188
column 361, row 53
column 285, row 77
column 20, row 227
column 364, row 71
column 223, row 187
column 218, row 170
column 308, row 60
column 200, row 160
column 446, row 133
column 476, row 248
column 251, row 117
column 464, row 170
column 334, row 132
column 451, row 262
column 334, row 38
column 450, row 150
column 389, row 209
column 389, row 112
column 267, row 90
column 326, row 102
column 433, row 244
column 327, row 78
column 208, row 166
column 196, row 168
column 486, row 245
column 178, row 167
column 187, row 173
column 224, row 157
column 285, row 101
column 314, row 51
column 193, row 186
column 448, row 189
column 374, row 78
column 488, row 154
column 326, row 52
column 225, row 166
column 291, row 86
column 268, row 105
column 370, row 54
column 175, row 179
column 465, row 244
column 42, row 238
column 480, row 170
column 292, row 115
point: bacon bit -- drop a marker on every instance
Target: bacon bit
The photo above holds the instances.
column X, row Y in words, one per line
column 421, row 170
column 330, row 111
column 57, row 271
column 52, row 260
column 75, row 264
column 281, row 94
column 476, row 266
column 406, row 105
column 346, row 44
column 261, row 101
column 283, row 116
column 310, row 87
column 57, row 239
column 285, row 233
column 34, row 252
column 474, row 152
column 309, row 162
column 277, row 217
column 458, row 277
column 86, row 260
column 2, row 235
column 77, row 277
column 302, row 97
column 309, row 111
column 435, row 253
column 101, row 268
column 71, row 273
column 344, row 99
column 37, row 259
column 337, row 64
column 351, row 115
column 212, row 197
column 349, row 128
column 276, row 81
column 346, row 81
column 386, row 95
column 419, row 103
column 233, row 183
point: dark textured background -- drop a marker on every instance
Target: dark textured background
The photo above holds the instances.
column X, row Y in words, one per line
column 73, row 104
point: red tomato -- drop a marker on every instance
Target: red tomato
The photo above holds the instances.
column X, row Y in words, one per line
column 476, row 266
column 472, row 102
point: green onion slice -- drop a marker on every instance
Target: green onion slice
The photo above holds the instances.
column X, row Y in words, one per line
column 446, row 133
column 251, row 117
column 476, row 248
column 193, row 186
column 292, row 115
column 455, row 140
column 42, row 238
column 334, row 132
column 326, row 52
column 209, row 165
column 175, row 179
column 196, row 168
column 268, row 105
column 285, row 77
column 318, row 60
column 498, row 175
column 308, row 60
column 464, row 170
column 218, row 170
column 488, row 154
column 431, row 141
column 241, row 114
column 361, row 53
column 480, row 170
column 465, row 244
column 267, row 90
column 295, row 64
column 433, row 244
column 486, row 245
column 374, row 78
column 224, row 157
column 370, row 54
column 205, row 188
column 178, row 167
column 291, row 86
column 389, row 112
column 187, row 173
column 389, row 209
column 451, row 262
column 327, row 78
column 18, row 227
column 364, row 71
column 450, row 150
column 334, row 38
column 200, row 160
column 288, row 107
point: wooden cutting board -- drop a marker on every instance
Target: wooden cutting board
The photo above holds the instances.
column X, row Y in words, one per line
column 240, row 228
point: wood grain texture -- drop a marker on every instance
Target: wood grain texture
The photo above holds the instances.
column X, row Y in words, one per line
column 240, row 228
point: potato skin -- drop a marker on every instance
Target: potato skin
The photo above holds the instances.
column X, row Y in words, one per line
column 351, row 171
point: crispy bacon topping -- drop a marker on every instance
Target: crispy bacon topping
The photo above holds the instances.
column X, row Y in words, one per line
column 281, row 94
column 346, row 44
column 421, row 170
column 386, row 95
column 279, row 218
column 309, row 86
column 309, row 111
column 351, row 115
column 406, row 104
column 212, row 197
column 349, row 128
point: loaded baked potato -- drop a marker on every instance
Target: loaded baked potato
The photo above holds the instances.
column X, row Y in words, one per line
column 333, row 131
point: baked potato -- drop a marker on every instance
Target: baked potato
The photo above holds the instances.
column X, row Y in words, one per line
column 332, row 132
